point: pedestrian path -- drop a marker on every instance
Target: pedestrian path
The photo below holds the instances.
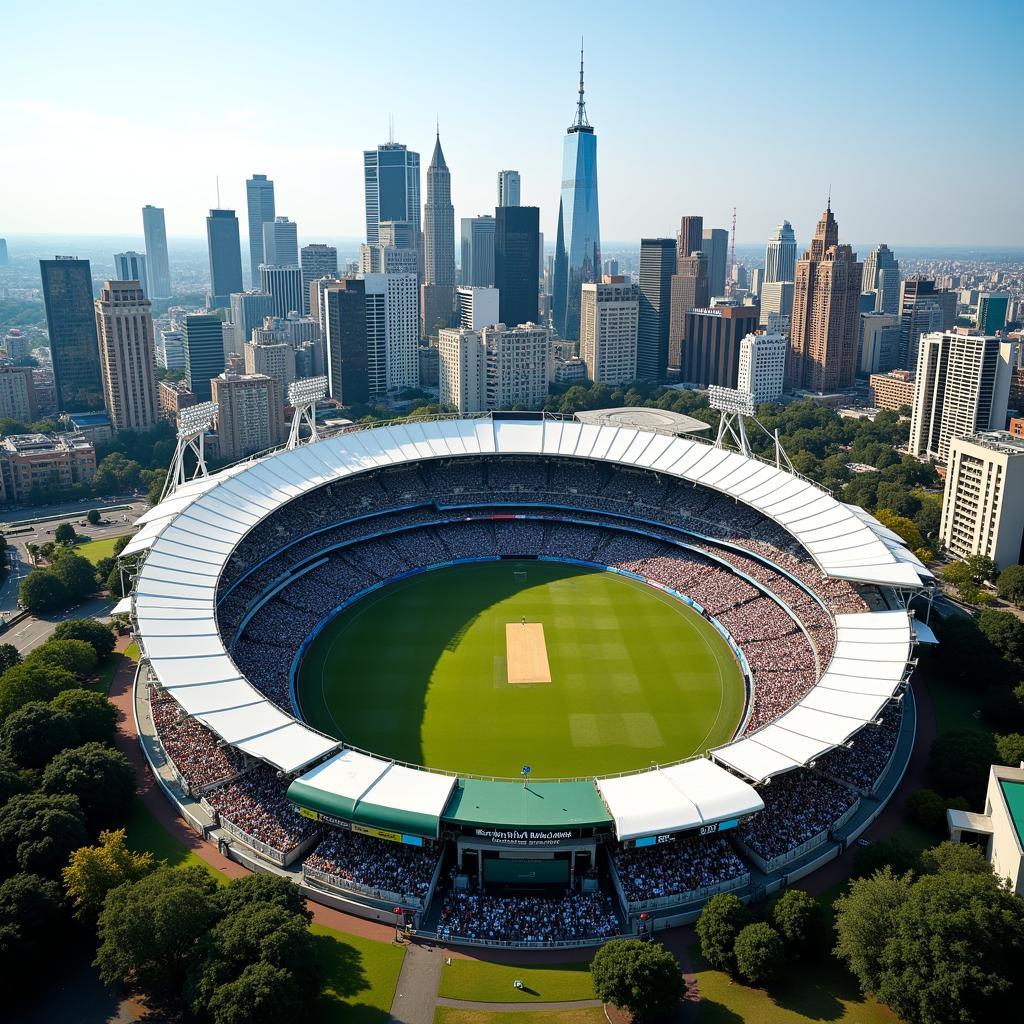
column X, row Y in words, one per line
column 416, row 994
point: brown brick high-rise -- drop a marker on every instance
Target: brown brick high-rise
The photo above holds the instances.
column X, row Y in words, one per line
column 826, row 297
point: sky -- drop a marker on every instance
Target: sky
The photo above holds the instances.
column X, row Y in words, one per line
column 910, row 111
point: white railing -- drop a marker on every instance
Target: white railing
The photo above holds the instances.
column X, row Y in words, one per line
column 335, row 883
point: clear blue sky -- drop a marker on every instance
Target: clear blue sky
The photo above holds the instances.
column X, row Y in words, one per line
column 912, row 111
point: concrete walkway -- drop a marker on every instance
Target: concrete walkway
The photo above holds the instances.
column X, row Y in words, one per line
column 418, row 982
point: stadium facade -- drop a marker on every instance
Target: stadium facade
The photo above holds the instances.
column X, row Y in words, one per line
column 237, row 572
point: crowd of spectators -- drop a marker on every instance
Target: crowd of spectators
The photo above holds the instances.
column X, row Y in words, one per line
column 671, row 869
column 476, row 915
column 862, row 762
column 193, row 750
column 256, row 803
column 374, row 863
column 798, row 806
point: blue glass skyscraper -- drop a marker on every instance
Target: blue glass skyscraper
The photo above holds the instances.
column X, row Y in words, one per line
column 578, row 242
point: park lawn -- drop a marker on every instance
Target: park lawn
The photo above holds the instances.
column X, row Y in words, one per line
column 954, row 708
column 453, row 1015
column 108, row 668
column 94, row 550
column 483, row 982
column 144, row 833
column 808, row 993
column 361, row 977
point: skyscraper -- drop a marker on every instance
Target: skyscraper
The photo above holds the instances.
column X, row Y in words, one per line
column 391, row 178
column 71, row 323
column 711, row 351
column 715, row 245
column 439, row 223
column 476, row 308
column 923, row 308
column 127, row 356
column 392, row 331
column 157, row 265
column 259, row 197
column 203, row 342
column 691, row 234
column 516, row 239
column 280, row 243
column 962, row 386
column 131, row 266
column 689, row 291
column 247, row 311
column 882, row 276
column 284, row 284
column 657, row 265
column 992, row 309
column 478, row 251
column 508, row 188
column 346, row 343
column 780, row 254
column 609, row 319
column 578, row 241
column 250, row 416
column 826, row 321
column 762, row 369
column 317, row 260
column 225, row 257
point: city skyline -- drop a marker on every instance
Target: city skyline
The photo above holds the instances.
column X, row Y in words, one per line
column 318, row 174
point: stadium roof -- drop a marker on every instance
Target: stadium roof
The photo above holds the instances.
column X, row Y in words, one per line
column 638, row 418
column 190, row 538
column 538, row 805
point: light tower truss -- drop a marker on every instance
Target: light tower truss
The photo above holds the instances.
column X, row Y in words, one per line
column 193, row 423
column 736, row 407
column 303, row 395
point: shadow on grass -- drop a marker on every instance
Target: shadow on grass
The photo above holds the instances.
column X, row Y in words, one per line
column 344, row 979
column 712, row 1012
column 815, row 991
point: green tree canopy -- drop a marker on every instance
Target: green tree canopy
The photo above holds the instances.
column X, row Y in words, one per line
column 906, row 528
column 25, row 683
column 13, row 779
column 957, row 858
column 642, row 977
column 719, row 923
column 98, row 634
column 95, row 870
column 1006, row 634
column 75, row 572
column 92, row 517
column 1010, row 584
column 261, row 994
column 100, row 777
column 798, row 917
column 9, row 657
column 65, row 534
column 30, row 917
column 42, row 591
column 262, row 890
column 39, row 832
column 148, row 930
column 74, row 656
column 35, row 733
column 759, row 952
column 959, row 762
column 93, row 716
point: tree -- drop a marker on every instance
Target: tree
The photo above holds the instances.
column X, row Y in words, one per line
column 1010, row 584
column 148, row 930
column 95, row 870
column 9, row 657
column 865, row 918
column 39, row 831
column 719, row 923
column 41, row 591
column 906, row 528
column 92, row 517
column 1011, row 748
column 642, row 977
column 74, row 656
column 25, row 683
column 75, row 572
column 93, row 716
column 958, row 763
column 898, row 500
column 65, row 534
column 262, row 890
column 30, row 916
column 121, row 543
column 958, row 858
column 982, row 568
column 115, row 585
column 953, row 952
column 891, row 853
column 13, row 779
column 261, row 994
column 1006, row 634
column 101, row 778
column 35, row 733
column 798, row 917
column 92, row 631
column 759, row 952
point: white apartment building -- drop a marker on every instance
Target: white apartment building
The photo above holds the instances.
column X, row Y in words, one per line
column 961, row 387
column 477, row 307
column 983, row 500
column 496, row 368
column 762, row 367
column 392, row 331
column 609, row 322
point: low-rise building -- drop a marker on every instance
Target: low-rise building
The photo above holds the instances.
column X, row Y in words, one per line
column 173, row 396
column 40, row 462
column 892, row 390
column 17, row 394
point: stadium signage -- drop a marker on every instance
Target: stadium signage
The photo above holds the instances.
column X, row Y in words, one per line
column 363, row 830
column 525, row 837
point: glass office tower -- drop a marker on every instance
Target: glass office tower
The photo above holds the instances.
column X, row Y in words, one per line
column 578, row 242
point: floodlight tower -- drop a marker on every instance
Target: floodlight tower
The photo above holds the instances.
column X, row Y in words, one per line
column 193, row 423
column 734, row 405
column 303, row 395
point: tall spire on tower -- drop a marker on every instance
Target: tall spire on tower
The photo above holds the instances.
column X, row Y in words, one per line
column 581, row 121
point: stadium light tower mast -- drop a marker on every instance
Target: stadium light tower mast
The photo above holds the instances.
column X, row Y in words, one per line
column 735, row 406
column 303, row 395
column 193, row 423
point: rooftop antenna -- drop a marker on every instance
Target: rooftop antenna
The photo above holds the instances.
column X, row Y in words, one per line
column 581, row 107
column 391, row 129
column 828, row 202
column 730, row 281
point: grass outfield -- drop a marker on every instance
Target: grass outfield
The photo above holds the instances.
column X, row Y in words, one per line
column 417, row 671
column 95, row 550
column 483, row 982
column 361, row 977
column 452, row 1015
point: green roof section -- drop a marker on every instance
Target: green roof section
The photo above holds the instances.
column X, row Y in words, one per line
column 1013, row 794
column 480, row 802
column 388, row 819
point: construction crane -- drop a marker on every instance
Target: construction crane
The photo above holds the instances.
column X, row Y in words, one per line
column 730, row 282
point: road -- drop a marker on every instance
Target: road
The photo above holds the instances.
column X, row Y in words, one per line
column 32, row 632
column 39, row 533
